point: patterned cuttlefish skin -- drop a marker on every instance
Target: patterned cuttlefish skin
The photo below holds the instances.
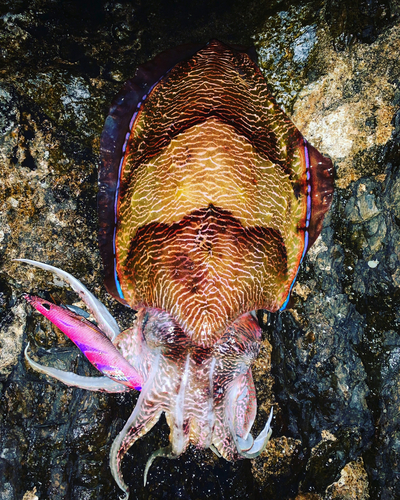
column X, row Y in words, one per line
column 209, row 199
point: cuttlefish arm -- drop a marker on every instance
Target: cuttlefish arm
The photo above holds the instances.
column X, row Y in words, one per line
column 105, row 321
column 252, row 448
column 103, row 384
column 94, row 344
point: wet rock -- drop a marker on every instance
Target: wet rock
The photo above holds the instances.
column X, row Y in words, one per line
column 13, row 326
column 281, row 463
column 352, row 105
column 352, row 484
column 30, row 495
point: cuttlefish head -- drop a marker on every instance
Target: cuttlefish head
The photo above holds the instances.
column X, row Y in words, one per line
column 206, row 393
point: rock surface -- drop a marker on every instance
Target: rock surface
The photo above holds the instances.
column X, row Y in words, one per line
column 329, row 365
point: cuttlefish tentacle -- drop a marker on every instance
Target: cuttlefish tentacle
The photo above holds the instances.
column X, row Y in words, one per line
column 104, row 384
column 165, row 452
column 137, row 425
column 105, row 321
column 142, row 419
column 179, row 439
column 246, row 445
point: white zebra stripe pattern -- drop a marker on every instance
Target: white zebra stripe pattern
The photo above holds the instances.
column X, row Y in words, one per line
column 212, row 201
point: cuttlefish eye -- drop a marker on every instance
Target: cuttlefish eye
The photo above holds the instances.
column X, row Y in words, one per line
column 209, row 198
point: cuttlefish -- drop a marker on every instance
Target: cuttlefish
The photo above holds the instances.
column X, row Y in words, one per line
column 209, row 198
